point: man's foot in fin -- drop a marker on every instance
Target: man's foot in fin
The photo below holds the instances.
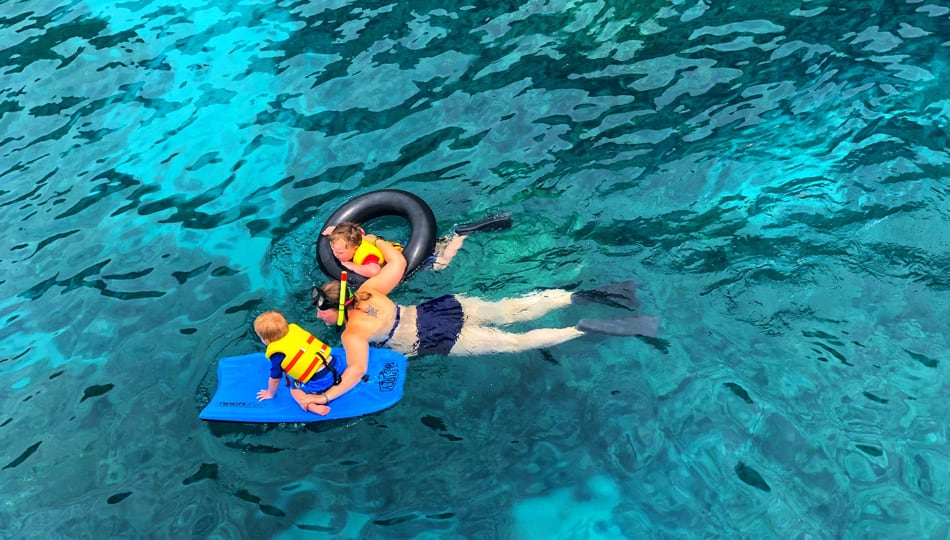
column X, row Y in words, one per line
column 497, row 222
column 641, row 325
column 621, row 294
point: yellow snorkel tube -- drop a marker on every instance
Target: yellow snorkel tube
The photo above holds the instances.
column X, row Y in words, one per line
column 340, row 316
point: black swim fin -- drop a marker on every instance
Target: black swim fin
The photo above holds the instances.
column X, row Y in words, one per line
column 641, row 325
column 621, row 294
column 496, row 222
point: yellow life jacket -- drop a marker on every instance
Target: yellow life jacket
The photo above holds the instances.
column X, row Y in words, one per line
column 366, row 249
column 304, row 354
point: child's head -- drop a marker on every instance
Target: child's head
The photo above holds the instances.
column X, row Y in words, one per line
column 271, row 326
column 344, row 240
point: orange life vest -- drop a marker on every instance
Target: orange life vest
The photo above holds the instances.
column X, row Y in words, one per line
column 304, row 354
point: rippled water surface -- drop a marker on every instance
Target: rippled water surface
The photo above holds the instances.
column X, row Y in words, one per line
column 773, row 174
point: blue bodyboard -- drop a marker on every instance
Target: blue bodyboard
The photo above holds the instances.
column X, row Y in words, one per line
column 240, row 378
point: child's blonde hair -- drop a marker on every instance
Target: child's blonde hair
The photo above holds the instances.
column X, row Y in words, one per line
column 349, row 232
column 271, row 325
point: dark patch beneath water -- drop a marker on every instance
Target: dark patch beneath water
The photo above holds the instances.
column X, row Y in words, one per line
column 207, row 471
column 23, row 457
column 118, row 497
column 870, row 450
column 739, row 391
column 96, row 390
column 751, row 476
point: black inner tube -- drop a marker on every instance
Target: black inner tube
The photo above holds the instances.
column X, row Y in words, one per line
column 376, row 204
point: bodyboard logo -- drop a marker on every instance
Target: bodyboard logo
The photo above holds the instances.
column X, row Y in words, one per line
column 387, row 377
column 241, row 404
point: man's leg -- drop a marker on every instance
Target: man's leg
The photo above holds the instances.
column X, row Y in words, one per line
column 447, row 251
column 476, row 340
column 510, row 310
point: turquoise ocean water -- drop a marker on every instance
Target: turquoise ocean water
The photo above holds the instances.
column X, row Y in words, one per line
column 773, row 174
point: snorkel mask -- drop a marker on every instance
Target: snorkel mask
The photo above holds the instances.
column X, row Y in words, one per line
column 322, row 303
